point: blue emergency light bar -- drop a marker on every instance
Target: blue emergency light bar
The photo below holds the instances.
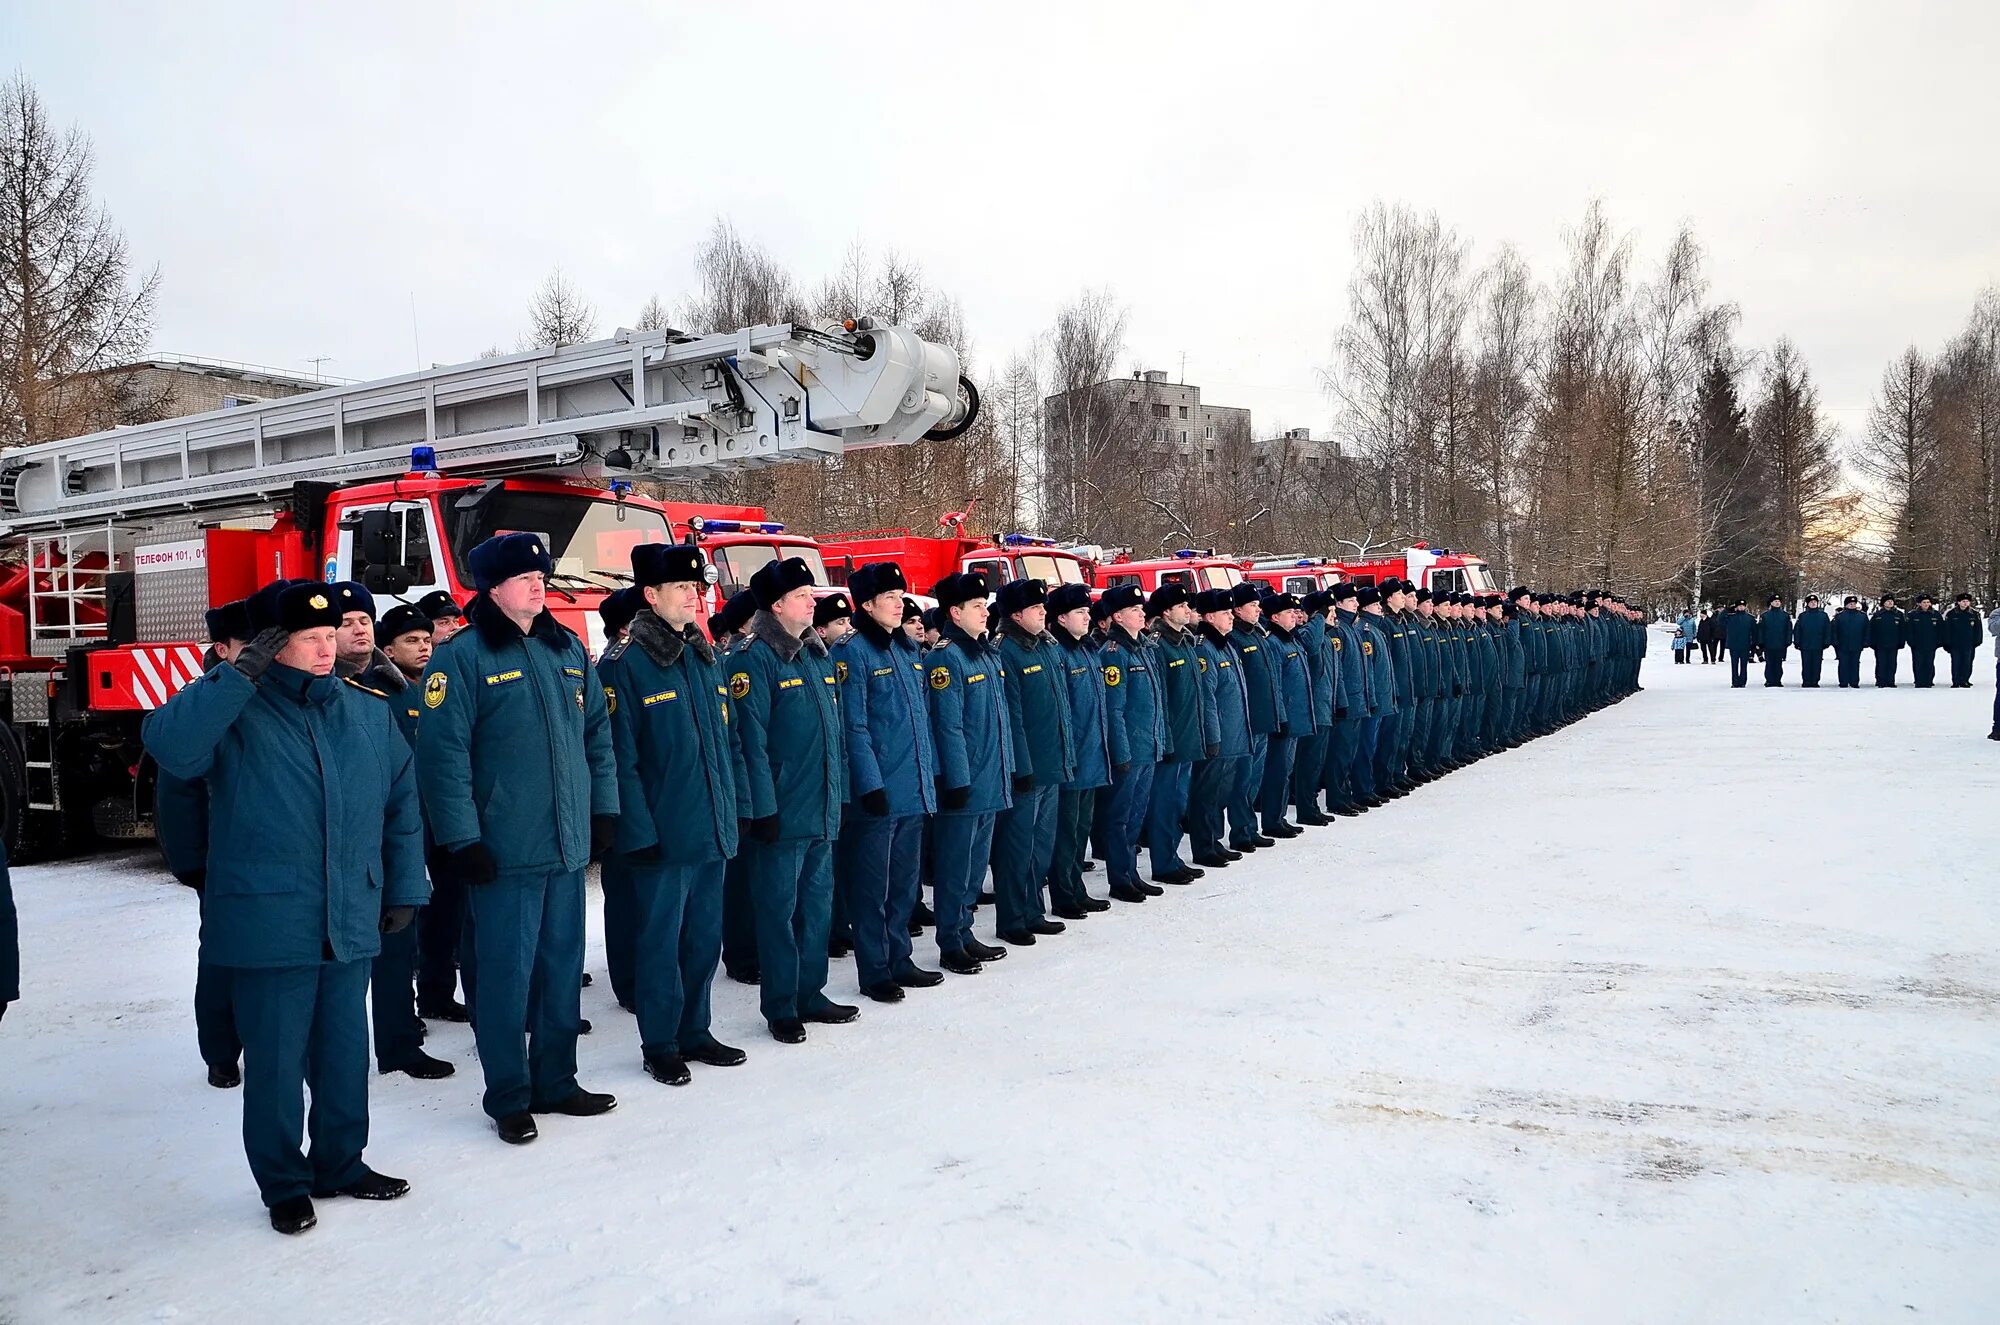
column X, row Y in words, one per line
column 1026, row 540
column 423, row 460
column 1195, row 552
column 702, row 525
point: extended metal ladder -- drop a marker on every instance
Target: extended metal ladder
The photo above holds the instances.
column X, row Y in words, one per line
column 639, row 402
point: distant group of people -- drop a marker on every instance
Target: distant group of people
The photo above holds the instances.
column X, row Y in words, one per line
column 1849, row 632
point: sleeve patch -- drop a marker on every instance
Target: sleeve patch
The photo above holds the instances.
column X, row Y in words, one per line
column 739, row 685
column 610, row 700
column 1111, row 675
column 940, row 678
column 434, row 689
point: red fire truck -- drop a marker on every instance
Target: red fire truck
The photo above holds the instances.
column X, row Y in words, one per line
column 927, row 559
column 1437, row 569
column 740, row 541
column 113, row 545
column 1298, row 575
column 1197, row 568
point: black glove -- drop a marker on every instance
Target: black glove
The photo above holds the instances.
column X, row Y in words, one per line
column 648, row 855
column 397, row 919
column 195, row 879
column 1120, row 770
column 1340, row 713
column 1210, row 751
column 876, row 802
column 260, row 652
column 954, row 798
column 1284, row 729
column 765, row 830
column 1024, row 783
column 603, row 832
column 475, row 864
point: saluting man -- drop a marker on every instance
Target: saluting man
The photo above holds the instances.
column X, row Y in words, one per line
column 520, row 791
column 975, row 760
column 787, row 695
column 315, row 849
column 680, row 783
column 891, row 777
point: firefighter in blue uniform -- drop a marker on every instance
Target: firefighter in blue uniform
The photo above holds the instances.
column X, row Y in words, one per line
column 1774, row 636
column 520, row 791
column 1962, row 630
column 1190, row 727
column 1812, row 632
column 1347, row 785
column 1097, row 730
column 891, row 777
column 1923, row 631
column 1850, row 638
column 1261, row 687
column 1309, row 752
column 1295, row 712
column 739, row 920
column 975, row 760
column 614, row 875
column 1216, row 777
column 1886, row 636
column 315, row 849
column 1129, row 665
column 787, row 694
column 1382, row 687
column 1403, row 642
column 1038, row 716
column 680, row 788
column 1514, row 678
column 180, row 818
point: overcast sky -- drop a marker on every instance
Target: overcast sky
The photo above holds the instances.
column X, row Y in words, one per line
column 302, row 181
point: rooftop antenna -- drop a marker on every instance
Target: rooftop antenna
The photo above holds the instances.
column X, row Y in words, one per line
column 318, row 359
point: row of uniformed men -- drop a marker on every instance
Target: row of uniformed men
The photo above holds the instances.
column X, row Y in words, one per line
column 678, row 759
column 1886, row 632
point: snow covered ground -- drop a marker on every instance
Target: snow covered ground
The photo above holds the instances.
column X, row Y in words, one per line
column 1690, row 1013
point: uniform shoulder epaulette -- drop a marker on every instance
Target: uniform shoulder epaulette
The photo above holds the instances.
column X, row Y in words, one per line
column 617, row 650
column 366, row 689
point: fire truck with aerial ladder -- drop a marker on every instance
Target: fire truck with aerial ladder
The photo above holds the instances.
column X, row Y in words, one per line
column 116, row 543
column 1298, row 574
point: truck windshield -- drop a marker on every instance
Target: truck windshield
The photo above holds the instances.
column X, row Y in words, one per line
column 588, row 536
column 735, row 563
column 1476, row 576
column 1049, row 570
column 1221, row 577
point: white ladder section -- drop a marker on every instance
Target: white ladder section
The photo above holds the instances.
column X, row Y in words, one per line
column 640, row 402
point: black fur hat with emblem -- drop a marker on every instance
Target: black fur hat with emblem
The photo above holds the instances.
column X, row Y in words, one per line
column 229, row 622
column 958, row 588
column 1020, row 595
column 1119, row 597
column 667, row 563
column 834, row 607
column 262, row 607
column 503, row 556
column 775, row 579
column 308, row 606
column 400, row 620
column 877, row 577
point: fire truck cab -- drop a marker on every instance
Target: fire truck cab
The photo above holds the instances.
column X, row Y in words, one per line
column 1440, row 570
column 1294, row 575
column 1196, row 568
column 926, row 560
column 740, row 541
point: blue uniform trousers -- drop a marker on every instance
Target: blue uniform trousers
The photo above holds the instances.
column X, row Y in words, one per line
column 1166, row 811
column 617, row 876
column 1131, row 798
column 1363, row 777
column 1388, row 740
column 439, row 925
column 392, row 1000
column 214, row 1024
column 303, row 1027
column 882, row 856
column 791, row 886
column 1345, row 748
column 1243, row 797
column 527, row 937
column 739, row 919
column 1885, row 667
column 1024, row 842
column 1276, row 790
column 1308, row 767
column 676, row 942
column 1208, row 802
column 961, row 844
column 1074, row 812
